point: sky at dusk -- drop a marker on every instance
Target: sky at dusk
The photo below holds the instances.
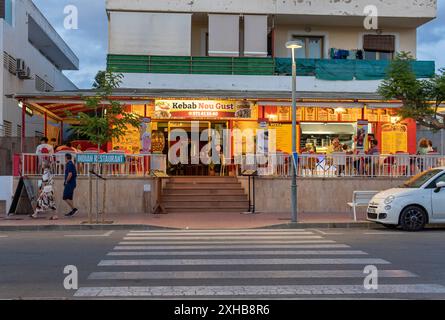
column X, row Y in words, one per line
column 89, row 42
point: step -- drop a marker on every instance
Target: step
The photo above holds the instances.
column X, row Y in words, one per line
column 204, row 186
column 203, row 192
column 206, row 210
column 200, row 197
column 206, row 204
column 202, row 179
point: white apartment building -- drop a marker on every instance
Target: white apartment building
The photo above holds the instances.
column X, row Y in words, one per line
column 258, row 28
column 34, row 56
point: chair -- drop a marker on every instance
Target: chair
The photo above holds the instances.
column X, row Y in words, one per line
column 361, row 199
column 401, row 163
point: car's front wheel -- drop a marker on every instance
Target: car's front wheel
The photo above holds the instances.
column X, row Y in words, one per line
column 413, row 218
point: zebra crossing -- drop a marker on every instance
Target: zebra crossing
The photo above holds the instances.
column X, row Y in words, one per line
column 236, row 264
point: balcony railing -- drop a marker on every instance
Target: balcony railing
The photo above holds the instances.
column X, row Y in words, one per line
column 323, row 69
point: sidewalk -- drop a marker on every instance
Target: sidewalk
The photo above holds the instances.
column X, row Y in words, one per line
column 186, row 221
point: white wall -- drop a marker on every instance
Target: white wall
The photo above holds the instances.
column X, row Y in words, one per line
column 387, row 8
column 242, row 83
column 15, row 42
column 6, row 191
column 150, row 33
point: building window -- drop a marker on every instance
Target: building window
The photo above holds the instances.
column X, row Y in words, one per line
column 379, row 47
column 312, row 47
column 8, row 12
column 19, row 130
column 7, row 128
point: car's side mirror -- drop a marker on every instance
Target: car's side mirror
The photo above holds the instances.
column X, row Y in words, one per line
column 439, row 186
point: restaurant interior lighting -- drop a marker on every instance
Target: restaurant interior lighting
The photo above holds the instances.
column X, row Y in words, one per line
column 340, row 110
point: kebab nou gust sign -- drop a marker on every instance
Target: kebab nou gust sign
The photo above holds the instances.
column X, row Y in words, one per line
column 185, row 109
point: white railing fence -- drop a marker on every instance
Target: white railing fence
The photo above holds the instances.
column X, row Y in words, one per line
column 134, row 165
column 336, row 165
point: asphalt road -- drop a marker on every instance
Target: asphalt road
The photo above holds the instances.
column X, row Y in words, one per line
column 263, row 264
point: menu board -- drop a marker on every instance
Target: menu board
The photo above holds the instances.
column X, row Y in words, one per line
column 284, row 113
column 351, row 115
column 310, row 114
column 394, row 138
column 372, row 115
column 323, row 114
column 131, row 142
column 283, row 134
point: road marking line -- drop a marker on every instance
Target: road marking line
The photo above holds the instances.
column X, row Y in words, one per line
column 181, row 291
column 230, row 231
column 227, row 242
column 3, row 236
column 224, row 238
column 206, row 262
column 237, row 247
column 109, row 233
column 386, row 233
column 326, row 274
column 188, row 234
column 328, row 233
column 240, row 253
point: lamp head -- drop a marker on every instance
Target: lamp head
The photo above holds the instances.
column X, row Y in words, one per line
column 294, row 45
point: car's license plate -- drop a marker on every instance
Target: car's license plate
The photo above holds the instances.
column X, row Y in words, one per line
column 372, row 211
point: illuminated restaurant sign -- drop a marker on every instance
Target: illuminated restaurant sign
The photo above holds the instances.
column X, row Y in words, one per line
column 188, row 109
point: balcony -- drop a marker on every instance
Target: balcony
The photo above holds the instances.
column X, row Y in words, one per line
column 322, row 69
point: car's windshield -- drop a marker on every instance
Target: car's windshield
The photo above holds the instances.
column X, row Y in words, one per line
column 419, row 180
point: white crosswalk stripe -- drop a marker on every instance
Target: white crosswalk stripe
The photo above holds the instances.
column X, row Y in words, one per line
column 240, row 253
column 231, row 246
column 137, row 275
column 242, row 263
column 231, row 291
column 298, row 237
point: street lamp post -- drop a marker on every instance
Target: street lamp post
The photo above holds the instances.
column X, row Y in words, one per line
column 293, row 45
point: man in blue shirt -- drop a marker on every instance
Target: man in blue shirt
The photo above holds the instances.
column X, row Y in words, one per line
column 70, row 184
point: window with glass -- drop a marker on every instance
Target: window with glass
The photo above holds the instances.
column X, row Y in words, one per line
column 379, row 47
column 8, row 11
column 312, row 47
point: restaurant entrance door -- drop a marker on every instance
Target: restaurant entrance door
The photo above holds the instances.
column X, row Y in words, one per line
column 194, row 130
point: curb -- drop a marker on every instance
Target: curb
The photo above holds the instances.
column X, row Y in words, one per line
column 327, row 225
column 120, row 227
column 124, row 227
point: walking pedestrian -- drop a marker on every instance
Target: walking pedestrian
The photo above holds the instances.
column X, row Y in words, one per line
column 70, row 184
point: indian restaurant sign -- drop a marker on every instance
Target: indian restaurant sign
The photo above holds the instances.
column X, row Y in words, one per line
column 101, row 158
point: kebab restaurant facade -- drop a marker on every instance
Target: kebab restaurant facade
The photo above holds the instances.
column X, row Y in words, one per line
column 319, row 121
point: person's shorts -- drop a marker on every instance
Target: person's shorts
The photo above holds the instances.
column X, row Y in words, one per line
column 68, row 192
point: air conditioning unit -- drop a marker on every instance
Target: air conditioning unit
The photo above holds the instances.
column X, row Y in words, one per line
column 23, row 71
column 21, row 65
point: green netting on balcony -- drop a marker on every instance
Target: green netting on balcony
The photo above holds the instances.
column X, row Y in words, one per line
column 324, row 69
column 305, row 67
column 335, row 69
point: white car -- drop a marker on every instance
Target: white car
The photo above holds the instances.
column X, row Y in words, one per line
column 420, row 201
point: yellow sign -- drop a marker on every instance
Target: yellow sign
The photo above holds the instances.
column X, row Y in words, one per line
column 394, row 138
column 283, row 134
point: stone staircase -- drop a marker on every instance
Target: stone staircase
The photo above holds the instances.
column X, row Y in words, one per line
column 204, row 195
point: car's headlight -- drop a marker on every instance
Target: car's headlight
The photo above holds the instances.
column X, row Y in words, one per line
column 389, row 200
